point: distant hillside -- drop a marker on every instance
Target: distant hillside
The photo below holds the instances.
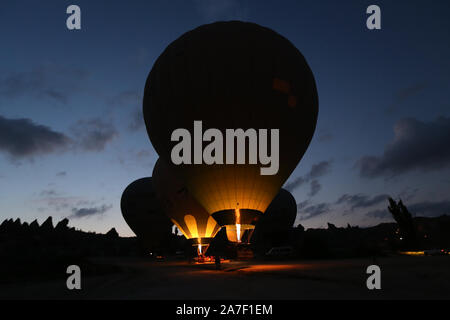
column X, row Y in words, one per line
column 33, row 251
column 334, row 242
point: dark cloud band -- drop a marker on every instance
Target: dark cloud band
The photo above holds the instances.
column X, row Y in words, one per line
column 417, row 145
column 22, row 138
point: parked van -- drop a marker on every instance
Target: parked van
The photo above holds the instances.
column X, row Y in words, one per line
column 280, row 252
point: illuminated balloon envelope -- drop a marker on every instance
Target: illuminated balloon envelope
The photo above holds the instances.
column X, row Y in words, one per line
column 184, row 211
column 144, row 215
column 232, row 75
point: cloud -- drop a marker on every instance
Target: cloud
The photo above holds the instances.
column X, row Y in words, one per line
column 297, row 182
column 303, row 204
column 61, row 174
column 78, row 207
column 89, row 212
column 49, row 193
column 94, row 134
column 307, row 210
column 58, row 203
column 53, row 201
column 312, row 211
column 22, row 138
column 430, row 209
column 144, row 154
column 406, row 93
column 325, row 137
column 417, row 145
column 410, row 91
column 126, row 98
column 44, row 82
column 315, row 188
column 361, row 200
column 408, row 193
column 317, row 170
column 379, row 214
column 137, row 120
column 419, row 209
column 132, row 101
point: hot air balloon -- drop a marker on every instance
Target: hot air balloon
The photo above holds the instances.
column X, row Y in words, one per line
column 273, row 227
column 232, row 75
column 144, row 215
column 185, row 212
column 281, row 213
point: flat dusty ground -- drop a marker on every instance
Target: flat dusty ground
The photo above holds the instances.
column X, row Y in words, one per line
column 402, row 277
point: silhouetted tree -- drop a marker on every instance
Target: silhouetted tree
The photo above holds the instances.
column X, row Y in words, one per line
column 405, row 223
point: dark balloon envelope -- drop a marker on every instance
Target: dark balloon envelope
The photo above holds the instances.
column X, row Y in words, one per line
column 144, row 215
column 281, row 213
column 185, row 212
column 232, row 75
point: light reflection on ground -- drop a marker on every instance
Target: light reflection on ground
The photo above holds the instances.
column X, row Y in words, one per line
column 403, row 277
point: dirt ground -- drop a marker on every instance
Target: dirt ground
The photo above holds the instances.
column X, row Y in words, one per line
column 402, row 277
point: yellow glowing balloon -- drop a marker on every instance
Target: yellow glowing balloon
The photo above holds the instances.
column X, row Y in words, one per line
column 232, row 75
column 185, row 212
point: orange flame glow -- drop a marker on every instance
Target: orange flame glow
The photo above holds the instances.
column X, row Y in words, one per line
column 238, row 224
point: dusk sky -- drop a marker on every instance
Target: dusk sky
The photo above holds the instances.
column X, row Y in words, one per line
column 72, row 136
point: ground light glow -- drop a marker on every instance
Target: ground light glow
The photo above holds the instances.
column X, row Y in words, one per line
column 413, row 253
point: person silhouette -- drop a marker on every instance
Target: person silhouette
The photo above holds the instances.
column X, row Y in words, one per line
column 217, row 261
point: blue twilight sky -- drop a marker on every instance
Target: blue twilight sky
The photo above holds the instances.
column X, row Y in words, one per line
column 72, row 135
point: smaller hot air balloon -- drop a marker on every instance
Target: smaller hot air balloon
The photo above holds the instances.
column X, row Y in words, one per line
column 274, row 226
column 144, row 215
column 281, row 213
column 185, row 212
